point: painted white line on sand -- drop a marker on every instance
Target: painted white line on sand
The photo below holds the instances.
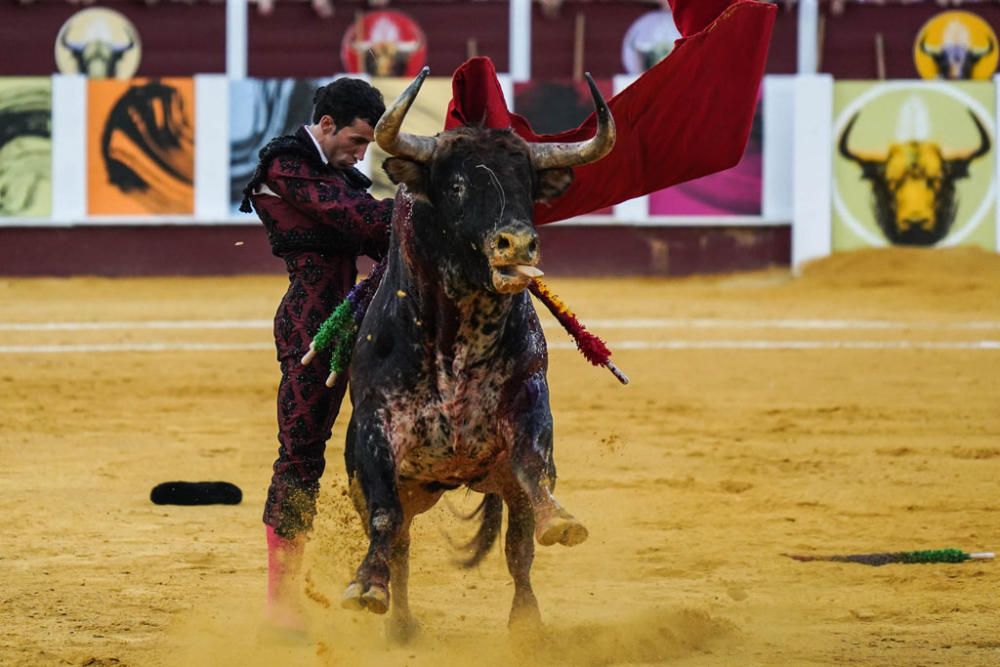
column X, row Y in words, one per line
column 137, row 324
column 595, row 325
column 822, row 324
column 136, row 347
column 557, row 345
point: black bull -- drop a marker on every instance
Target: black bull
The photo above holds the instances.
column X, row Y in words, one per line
column 448, row 378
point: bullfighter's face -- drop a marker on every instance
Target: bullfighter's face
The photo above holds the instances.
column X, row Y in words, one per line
column 344, row 146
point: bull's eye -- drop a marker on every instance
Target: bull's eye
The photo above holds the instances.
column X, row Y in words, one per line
column 458, row 189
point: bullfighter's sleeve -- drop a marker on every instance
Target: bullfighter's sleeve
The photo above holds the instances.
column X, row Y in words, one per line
column 362, row 220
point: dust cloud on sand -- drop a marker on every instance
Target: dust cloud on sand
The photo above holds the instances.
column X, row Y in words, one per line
column 853, row 408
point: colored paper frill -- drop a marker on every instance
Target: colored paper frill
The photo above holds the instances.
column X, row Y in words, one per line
column 592, row 347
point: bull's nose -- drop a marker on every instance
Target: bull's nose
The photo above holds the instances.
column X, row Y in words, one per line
column 923, row 223
column 515, row 247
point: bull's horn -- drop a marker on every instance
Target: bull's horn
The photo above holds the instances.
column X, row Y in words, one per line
column 73, row 47
column 984, row 144
column 982, row 53
column 924, row 48
column 122, row 49
column 387, row 130
column 845, row 150
column 554, row 155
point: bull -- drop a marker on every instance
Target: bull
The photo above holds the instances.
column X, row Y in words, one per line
column 448, row 376
column 955, row 59
column 913, row 185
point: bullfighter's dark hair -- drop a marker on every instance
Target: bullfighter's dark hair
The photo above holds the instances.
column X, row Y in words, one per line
column 346, row 99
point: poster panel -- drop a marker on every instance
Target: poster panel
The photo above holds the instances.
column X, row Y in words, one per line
column 554, row 106
column 259, row 110
column 384, row 43
column 913, row 164
column 25, row 147
column 425, row 117
column 140, row 147
column 736, row 191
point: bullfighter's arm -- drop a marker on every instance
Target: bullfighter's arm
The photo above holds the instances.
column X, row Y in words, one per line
column 362, row 219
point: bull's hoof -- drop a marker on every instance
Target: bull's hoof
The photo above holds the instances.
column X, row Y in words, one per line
column 375, row 599
column 561, row 528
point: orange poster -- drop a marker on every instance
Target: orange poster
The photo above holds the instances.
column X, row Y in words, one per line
column 140, row 147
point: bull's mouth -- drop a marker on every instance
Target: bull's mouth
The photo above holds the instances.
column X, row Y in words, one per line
column 513, row 278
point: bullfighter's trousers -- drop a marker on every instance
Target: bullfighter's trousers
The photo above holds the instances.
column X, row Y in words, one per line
column 307, row 408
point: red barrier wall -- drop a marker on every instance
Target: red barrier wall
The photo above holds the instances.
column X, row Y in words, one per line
column 604, row 250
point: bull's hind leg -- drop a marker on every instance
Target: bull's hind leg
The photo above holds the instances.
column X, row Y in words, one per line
column 520, row 551
column 535, row 468
column 370, row 463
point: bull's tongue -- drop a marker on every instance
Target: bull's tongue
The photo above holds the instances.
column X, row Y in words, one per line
column 529, row 271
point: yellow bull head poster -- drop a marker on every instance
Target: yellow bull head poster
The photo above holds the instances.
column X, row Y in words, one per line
column 914, row 164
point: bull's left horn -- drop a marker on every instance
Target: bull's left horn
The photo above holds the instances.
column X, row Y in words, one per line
column 387, row 130
column 555, row 155
column 987, row 50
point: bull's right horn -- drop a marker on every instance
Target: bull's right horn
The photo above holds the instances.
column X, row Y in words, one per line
column 387, row 131
column 984, row 144
column 555, row 155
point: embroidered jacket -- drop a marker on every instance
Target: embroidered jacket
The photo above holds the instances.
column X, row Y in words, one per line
column 309, row 206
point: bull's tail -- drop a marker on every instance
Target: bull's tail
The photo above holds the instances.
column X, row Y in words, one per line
column 490, row 512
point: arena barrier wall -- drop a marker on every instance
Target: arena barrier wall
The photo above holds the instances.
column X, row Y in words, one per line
column 188, row 194
column 119, row 206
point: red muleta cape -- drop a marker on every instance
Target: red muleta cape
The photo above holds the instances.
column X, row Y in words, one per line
column 688, row 116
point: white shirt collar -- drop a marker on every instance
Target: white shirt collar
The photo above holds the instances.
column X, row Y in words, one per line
column 319, row 150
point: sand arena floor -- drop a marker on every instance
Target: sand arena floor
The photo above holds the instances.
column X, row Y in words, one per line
column 852, row 409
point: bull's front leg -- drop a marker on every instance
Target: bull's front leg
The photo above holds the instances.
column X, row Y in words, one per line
column 534, row 467
column 520, row 552
column 374, row 472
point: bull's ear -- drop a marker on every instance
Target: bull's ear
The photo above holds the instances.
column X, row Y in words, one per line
column 401, row 170
column 552, row 183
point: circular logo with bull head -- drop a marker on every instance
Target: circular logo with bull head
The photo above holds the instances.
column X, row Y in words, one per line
column 914, row 165
column 648, row 41
column 385, row 43
column 99, row 43
column 957, row 46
